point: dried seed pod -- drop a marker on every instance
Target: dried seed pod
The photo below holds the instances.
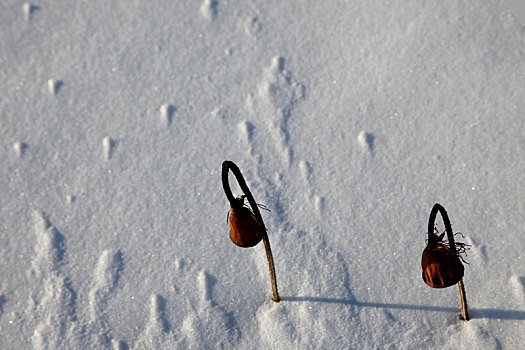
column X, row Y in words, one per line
column 245, row 230
column 442, row 267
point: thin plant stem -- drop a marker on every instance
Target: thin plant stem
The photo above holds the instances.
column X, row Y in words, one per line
column 464, row 310
column 452, row 245
column 448, row 227
column 226, row 166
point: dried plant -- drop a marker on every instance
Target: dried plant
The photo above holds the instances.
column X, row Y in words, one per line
column 246, row 226
column 441, row 261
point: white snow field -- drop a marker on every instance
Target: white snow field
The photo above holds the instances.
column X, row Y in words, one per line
column 349, row 120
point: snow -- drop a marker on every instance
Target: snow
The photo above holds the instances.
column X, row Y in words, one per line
column 348, row 120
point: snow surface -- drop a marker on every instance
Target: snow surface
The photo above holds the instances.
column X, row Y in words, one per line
column 348, row 119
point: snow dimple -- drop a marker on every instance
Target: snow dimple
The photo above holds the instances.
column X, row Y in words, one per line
column 483, row 253
column 246, row 130
column 366, row 141
column 166, row 114
column 206, row 282
column 119, row 345
column 107, row 147
column 28, row 10
column 252, row 26
column 20, row 147
column 219, row 113
column 54, row 86
column 157, row 312
column 317, row 201
column 306, row 171
column 517, row 284
column 319, row 204
column 157, row 334
column 476, row 252
column 208, row 9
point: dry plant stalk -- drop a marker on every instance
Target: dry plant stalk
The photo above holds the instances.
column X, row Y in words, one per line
column 441, row 264
column 247, row 228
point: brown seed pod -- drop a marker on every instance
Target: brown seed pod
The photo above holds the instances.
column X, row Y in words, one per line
column 442, row 267
column 245, row 230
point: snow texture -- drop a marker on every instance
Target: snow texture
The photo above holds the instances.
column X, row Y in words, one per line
column 349, row 120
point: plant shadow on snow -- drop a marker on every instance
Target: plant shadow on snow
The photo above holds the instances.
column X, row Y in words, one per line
column 475, row 313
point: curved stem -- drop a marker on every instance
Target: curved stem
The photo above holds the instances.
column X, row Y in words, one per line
column 448, row 227
column 226, row 166
column 452, row 245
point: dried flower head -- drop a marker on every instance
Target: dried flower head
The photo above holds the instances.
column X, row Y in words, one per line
column 441, row 265
column 245, row 230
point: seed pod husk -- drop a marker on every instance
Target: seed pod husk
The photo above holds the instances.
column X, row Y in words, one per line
column 245, row 230
column 442, row 267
